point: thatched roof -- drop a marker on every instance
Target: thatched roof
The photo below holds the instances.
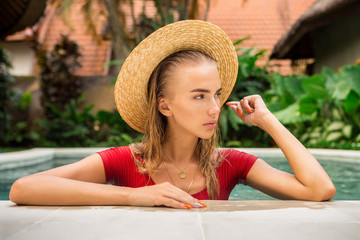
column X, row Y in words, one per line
column 15, row 15
column 296, row 43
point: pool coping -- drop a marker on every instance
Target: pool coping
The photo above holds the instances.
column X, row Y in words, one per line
column 255, row 219
column 39, row 155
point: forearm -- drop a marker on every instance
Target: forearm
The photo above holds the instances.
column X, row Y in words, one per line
column 52, row 190
column 306, row 168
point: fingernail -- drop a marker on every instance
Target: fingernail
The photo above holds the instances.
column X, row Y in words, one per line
column 187, row 206
column 198, row 205
column 249, row 110
column 241, row 113
column 203, row 204
column 227, row 103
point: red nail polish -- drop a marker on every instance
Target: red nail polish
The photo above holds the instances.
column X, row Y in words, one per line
column 241, row 113
column 249, row 110
column 187, row 206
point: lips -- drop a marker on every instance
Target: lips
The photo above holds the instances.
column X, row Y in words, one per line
column 211, row 124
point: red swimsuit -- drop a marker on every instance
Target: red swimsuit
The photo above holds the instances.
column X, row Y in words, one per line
column 121, row 170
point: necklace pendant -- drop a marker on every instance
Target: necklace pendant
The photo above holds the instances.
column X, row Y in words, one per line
column 182, row 175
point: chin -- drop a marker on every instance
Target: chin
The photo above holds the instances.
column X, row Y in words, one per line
column 206, row 136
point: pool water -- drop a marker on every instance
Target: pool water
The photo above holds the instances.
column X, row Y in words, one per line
column 345, row 176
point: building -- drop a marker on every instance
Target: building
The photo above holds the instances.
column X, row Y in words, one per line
column 327, row 34
column 264, row 21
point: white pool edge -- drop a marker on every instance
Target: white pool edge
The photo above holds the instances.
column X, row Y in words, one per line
column 38, row 155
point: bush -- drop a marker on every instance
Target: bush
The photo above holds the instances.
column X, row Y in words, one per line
column 76, row 126
column 12, row 133
column 251, row 79
column 321, row 110
column 59, row 84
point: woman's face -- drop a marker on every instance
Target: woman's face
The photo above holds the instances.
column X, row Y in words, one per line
column 192, row 95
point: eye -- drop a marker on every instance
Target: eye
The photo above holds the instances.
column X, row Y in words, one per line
column 201, row 96
column 218, row 94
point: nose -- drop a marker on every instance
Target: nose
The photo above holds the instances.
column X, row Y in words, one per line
column 214, row 108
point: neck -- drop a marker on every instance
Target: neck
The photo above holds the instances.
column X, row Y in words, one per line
column 180, row 148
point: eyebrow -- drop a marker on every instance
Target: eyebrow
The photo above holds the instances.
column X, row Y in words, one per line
column 204, row 90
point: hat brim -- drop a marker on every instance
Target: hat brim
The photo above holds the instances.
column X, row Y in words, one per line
column 132, row 81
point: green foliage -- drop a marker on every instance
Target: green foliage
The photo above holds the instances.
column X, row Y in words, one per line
column 22, row 134
column 76, row 126
column 251, row 79
column 321, row 110
column 70, row 127
column 10, row 99
column 6, row 82
column 59, row 85
column 333, row 100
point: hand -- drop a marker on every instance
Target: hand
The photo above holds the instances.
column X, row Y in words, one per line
column 256, row 110
column 164, row 194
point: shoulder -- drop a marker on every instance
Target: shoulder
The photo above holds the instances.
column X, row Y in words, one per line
column 231, row 154
column 236, row 164
column 116, row 152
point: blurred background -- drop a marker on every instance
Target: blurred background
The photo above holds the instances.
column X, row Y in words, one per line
column 59, row 60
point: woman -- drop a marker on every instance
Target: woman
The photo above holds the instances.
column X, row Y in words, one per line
column 171, row 88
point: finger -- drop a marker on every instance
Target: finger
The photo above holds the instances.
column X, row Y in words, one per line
column 175, row 193
column 169, row 202
column 239, row 109
column 235, row 106
column 183, row 197
column 231, row 103
column 246, row 105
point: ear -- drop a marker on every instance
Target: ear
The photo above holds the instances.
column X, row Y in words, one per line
column 163, row 107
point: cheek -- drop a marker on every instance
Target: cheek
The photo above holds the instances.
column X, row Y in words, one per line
column 187, row 110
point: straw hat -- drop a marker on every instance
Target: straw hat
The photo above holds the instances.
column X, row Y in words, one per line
column 131, row 84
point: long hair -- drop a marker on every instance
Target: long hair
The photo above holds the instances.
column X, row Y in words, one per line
column 150, row 149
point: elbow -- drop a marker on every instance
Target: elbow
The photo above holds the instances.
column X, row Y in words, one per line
column 329, row 193
column 17, row 191
column 326, row 193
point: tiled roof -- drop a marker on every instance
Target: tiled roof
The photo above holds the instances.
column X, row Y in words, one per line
column 265, row 21
column 94, row 53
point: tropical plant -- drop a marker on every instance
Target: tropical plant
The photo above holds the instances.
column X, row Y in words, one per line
column 11, row 100
column 69, row 126
column 320, row 109
column 59, row 84
column 112, row 130
column 77, row 126
column 6, row 82
column 333, row 101
column 251, row 79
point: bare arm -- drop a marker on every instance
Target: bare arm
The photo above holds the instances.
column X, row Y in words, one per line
column 309, row 182
column 83, row 183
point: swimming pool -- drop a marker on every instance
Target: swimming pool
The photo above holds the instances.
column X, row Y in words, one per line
column 344, row 171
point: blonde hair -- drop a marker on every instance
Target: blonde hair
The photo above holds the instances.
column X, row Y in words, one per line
column 150, row 150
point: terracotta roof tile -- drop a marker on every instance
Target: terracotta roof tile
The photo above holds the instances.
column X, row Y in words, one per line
column 264, row 21
column 94, row 53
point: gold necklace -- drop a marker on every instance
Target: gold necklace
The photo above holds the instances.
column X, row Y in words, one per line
column 191, row 183
column 182, row 174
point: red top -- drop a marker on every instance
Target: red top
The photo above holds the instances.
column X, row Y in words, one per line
column 121, row 170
